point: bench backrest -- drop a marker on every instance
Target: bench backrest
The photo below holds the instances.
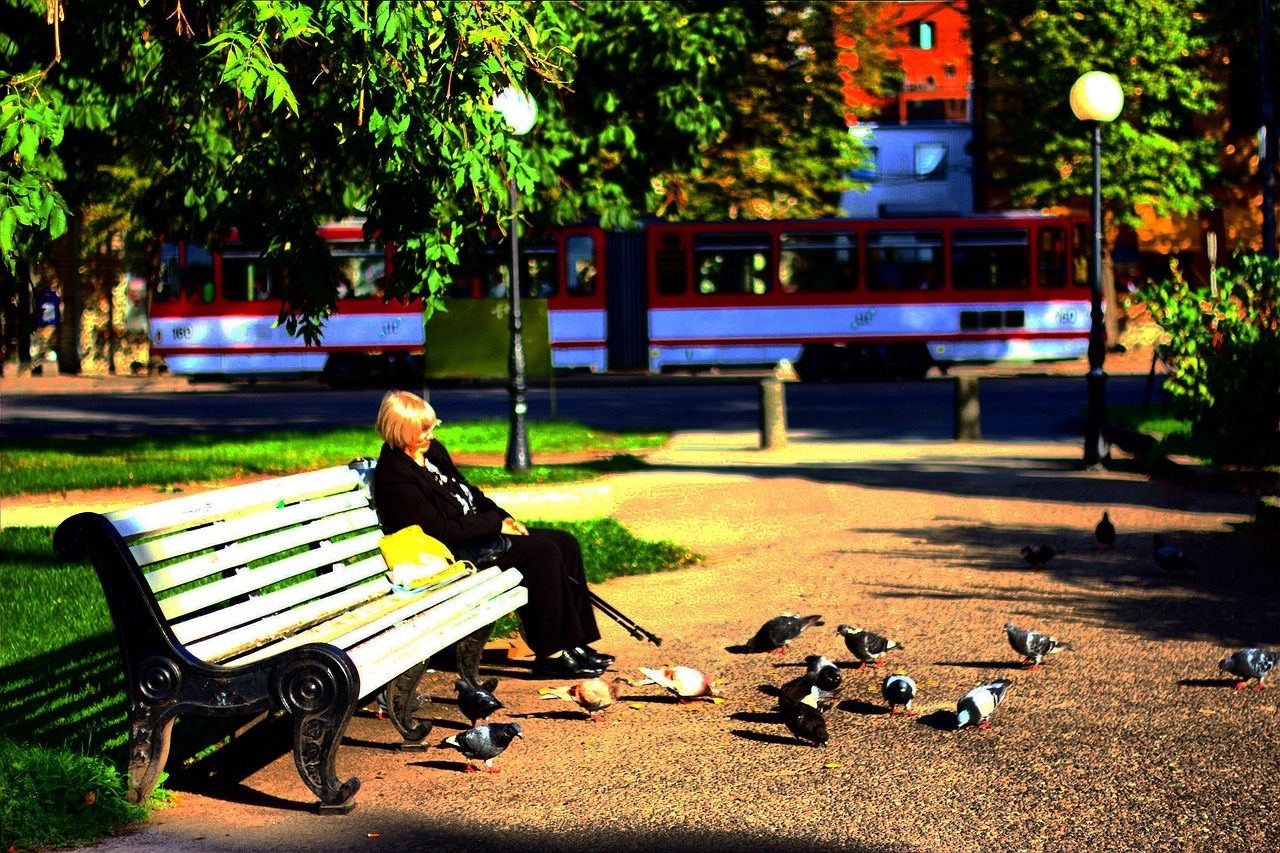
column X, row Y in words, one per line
column 238, row 566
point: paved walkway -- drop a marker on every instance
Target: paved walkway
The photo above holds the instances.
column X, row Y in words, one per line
column 1132, row 742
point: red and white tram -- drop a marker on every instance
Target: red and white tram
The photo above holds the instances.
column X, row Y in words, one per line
column 834, row 296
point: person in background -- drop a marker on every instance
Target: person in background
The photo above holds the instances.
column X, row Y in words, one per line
column 416, row 482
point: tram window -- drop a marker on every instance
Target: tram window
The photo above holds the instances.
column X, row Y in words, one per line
column 818, row 263
column 671, row 269
column 199, row 274
column 362, row 269
column 169, row 282
column 580, row 265
column 904, row 260
column 246, row 278
column 1083, row 246
column 732, row 263
column 990, row 258
column 1052, row 257
column 538, row 277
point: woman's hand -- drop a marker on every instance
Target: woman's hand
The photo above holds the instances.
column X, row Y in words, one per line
column 515, row 528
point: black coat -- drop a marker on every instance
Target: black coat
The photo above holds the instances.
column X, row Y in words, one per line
column 405, row 493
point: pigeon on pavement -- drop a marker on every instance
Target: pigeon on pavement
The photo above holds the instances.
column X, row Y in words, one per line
column 774, row 635
column 485, row 743
column 976, row 707
column 899, row 691
column 805, row 718
column 1038, row 555
column 867, row 647
column 1249, row 664
column 592, row 695
column 1034, row 646
column 1170, row 558
column 686, row 683
column 825, row 674
column 1105, row 532
column 477, row 703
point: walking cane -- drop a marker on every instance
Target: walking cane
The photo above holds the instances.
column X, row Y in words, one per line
column 614, row 613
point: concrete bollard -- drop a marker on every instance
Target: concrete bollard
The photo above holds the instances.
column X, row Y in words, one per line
column 968, row 425
column 773, row 414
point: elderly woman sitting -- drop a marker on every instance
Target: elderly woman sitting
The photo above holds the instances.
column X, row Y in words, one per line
column 416, row 482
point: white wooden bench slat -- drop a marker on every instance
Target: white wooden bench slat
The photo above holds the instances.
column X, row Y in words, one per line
column 226, row 618
column 378, row 601
column 323, row 556
column 189, row 511
column 220, row 532
column 348, row 629
column 242, row 553
column 221, row 648
column 376, row 646
column 375, row 673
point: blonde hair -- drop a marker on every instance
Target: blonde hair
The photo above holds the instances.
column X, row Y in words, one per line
column 403, row 418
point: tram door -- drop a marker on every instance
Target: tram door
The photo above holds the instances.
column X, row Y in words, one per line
column 627, row 304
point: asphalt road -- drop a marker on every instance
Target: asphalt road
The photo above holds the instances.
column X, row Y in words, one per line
column 1013, row 408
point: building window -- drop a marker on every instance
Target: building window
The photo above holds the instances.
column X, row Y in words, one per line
column 922, row 33
column 931, row 161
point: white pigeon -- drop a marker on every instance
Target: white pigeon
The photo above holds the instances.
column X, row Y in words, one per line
column 686, row 683
column 976, row 706
column 1248, row 664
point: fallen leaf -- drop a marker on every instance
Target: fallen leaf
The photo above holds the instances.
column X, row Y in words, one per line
column 636, row 705
column 375, row 835
column 831, row 765
column 91, row 798
column 716, row 700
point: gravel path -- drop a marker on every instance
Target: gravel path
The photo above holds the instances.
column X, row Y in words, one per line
column 1132, row 742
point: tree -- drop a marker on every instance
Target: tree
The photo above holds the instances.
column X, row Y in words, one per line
column 1155, row 153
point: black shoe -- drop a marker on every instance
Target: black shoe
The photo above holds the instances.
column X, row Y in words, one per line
column 586, row 654
column 566, row 666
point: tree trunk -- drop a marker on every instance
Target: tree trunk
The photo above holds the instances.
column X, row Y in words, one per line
column 69, row 330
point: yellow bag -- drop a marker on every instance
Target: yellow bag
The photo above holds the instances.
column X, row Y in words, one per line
column 416, row 560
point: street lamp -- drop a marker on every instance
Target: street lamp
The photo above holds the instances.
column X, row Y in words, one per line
column 1096, row 98
column 520, row 113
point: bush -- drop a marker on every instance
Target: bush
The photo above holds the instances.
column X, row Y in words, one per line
column 1223, row 351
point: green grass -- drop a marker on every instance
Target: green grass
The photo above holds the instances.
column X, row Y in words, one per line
column 46, row 466
column 1175, row 436
column 62, row 716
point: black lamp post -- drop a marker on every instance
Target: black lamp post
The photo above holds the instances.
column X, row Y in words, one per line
column 520, row 113
column 1096, row 98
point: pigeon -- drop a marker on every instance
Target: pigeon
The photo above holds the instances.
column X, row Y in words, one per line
column 866, row 646
column 1033, row 646
column 687, row 684
column 976, row 707
column 1248, row 664
column 1038, row 555
column 592, row 695
column 477, row 703
column 484, row 742
column 1170, row 558
column 825, row 674
column 898, row 690
column 803, row 685
column 774, row 635
column 805, row 718
column 1105, row 533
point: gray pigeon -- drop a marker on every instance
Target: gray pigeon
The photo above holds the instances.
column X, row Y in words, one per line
column 1170, row 558
column 976, row 707
column 485, row 743
column 1034, row 646
column 477, row 703
column 774, row 635
column 824, row 673
column 867, row 647
column 1249, row 664
column 805, row 715
column 899, row 691
column 1105, row 533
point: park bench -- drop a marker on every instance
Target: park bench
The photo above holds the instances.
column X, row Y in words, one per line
column 275, row 596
